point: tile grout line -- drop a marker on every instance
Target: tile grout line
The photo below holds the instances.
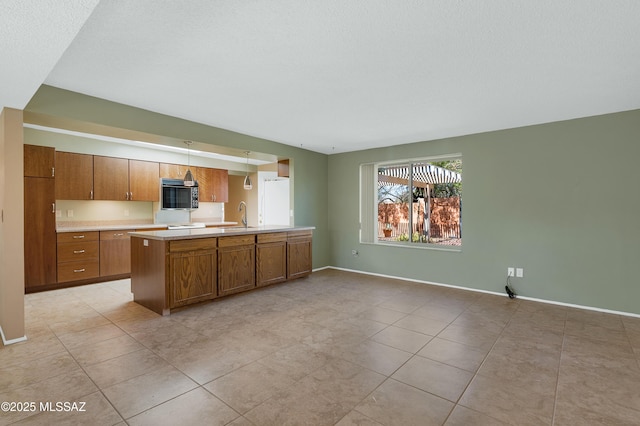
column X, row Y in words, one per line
column 555, row 399
column 475, row 373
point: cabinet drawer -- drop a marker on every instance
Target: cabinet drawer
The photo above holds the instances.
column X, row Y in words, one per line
column 190, row 245
column 121, row 234
column 70, row 237
column 272, row 237
column 82, row 250
column 73, row 271
column 294, row 235
column 238, row 240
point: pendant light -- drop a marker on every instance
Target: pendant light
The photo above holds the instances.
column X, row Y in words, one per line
column 188, row 177
column 247, row 179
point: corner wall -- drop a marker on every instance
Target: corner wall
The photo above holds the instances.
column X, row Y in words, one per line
column 559, row 200
column 11, row 227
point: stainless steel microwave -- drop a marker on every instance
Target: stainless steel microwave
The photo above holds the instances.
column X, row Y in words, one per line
column 175, row 195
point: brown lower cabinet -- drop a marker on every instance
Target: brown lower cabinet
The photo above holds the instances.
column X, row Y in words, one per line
column 78, row 256
column 115, row 252
column 271, row 258
column 167, row 274
column 236, row 264
column 192, row 271
column 299, row 254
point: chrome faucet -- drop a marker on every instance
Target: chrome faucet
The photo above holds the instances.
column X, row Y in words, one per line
column 244, row 216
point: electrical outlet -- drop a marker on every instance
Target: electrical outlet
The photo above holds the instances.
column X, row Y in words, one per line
column 69, row 213
column 511, row 272
column 355, row 252
column 519, row 272
column 126, row 212
column 58, row 213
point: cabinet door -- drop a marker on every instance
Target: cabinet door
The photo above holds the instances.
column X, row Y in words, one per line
column 74, row 176
column 39, row 161
column 283, row 168
column 39, row 232
column 271, row 263
column 144, row 181
column 205, row 184
column 192, row 277
column 299, row 262
column 173, row 171
column 110, row 178
column 213, row 184
column 115, row 253
column 221, row 185
column 236, row 264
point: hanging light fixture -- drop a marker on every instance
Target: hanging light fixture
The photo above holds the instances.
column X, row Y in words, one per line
column 188, row 177
column 247, row 179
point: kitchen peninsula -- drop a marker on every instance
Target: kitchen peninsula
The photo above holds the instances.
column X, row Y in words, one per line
column 175, row 268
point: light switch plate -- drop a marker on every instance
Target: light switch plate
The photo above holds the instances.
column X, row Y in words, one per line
column 519, row 272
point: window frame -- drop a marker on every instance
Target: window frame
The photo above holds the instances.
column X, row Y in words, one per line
column 369, row 203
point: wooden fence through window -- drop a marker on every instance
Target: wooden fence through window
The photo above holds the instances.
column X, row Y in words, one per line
column 444, row 223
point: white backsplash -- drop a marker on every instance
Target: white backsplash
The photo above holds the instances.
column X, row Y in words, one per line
column 172, row 216
column 208, row 211
column 97, row 210
column 144, row 211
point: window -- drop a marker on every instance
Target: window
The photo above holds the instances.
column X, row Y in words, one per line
column 412, row 202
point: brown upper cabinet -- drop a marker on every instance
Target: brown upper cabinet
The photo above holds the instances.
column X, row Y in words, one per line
column 110, row 178
column 123, row 179
column 173, row 171
column 144, row 180
column 213, row 184
column 39, row 161
column 74, row 176
column 283, row 168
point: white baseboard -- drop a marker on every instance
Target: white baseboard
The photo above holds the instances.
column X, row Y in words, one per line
column 6, row 342
column 533, row 299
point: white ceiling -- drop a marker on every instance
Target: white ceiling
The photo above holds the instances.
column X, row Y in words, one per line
column 334, row 76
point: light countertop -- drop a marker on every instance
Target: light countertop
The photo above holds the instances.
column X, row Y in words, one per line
column 192, row 233
column 88, row 226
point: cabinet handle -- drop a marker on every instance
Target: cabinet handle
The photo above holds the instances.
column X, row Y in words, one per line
column 91, row 195
column 78, row 236
column 213, row 197
column 79, row 270
column 78, row 251
column 131, row 196
column 53, row 208
column 118, row 235
column 53, row 172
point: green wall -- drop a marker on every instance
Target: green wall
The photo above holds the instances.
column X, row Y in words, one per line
column 309, row 168
column 559, row 200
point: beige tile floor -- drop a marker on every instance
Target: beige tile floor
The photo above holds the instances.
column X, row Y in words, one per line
column 334, row 348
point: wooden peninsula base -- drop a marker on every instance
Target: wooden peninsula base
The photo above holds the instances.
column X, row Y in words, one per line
column 171, row 269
